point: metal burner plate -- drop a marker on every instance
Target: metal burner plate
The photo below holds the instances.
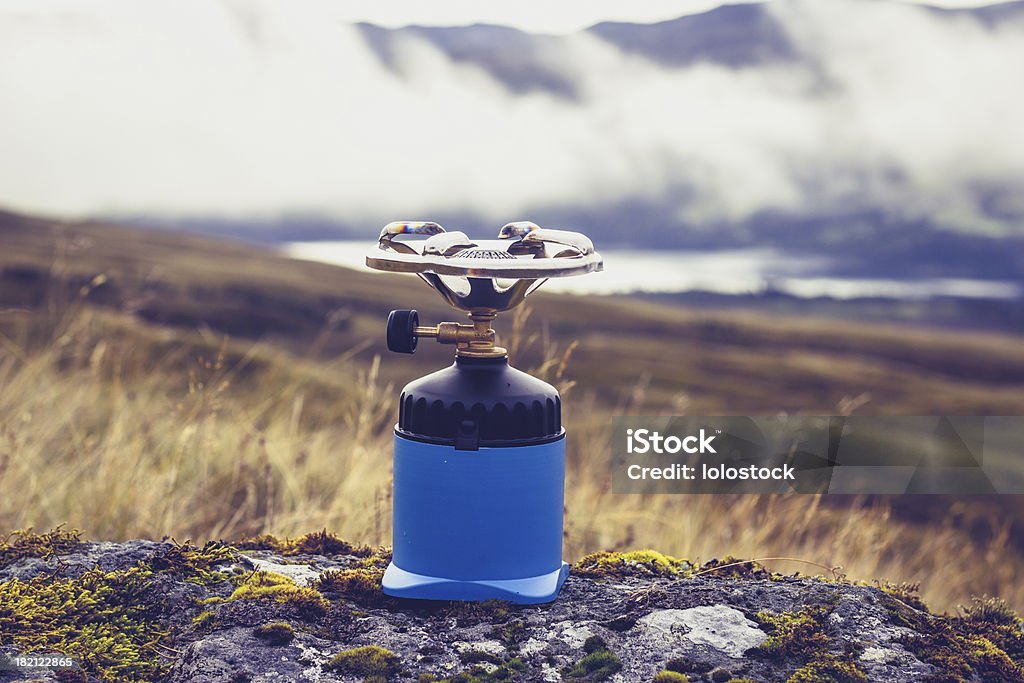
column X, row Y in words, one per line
column 523, row 251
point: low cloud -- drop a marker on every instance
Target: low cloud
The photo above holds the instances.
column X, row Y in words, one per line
column 262, row 109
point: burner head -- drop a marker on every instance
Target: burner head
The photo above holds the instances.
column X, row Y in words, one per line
column 483, row 275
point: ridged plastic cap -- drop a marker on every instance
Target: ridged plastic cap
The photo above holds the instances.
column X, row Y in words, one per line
column 480, row 402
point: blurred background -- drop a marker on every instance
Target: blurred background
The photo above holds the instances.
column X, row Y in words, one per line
column 804, row 206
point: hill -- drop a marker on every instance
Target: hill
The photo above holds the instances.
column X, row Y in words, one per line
column 735, row 362
column 158, row 384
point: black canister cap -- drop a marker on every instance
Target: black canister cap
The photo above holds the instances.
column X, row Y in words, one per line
column 480, row 402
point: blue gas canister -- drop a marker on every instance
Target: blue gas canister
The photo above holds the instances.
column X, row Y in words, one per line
column 479, row 448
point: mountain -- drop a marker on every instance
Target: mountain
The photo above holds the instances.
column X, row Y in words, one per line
column 731, row 35
column 992, row 16
column 521, row 61
column 736, row 36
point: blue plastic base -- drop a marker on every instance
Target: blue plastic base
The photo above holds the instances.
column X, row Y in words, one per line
column 529, row 591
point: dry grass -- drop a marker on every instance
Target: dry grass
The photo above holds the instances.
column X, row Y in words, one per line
column 128, row 428
column 189, row 445
column 97, row 437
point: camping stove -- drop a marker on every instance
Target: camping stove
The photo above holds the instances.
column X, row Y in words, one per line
column 479, row 461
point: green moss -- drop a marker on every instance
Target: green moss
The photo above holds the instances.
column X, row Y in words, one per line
column 378, row 559
column 907, row 593
column 426, row 678
column 793, row 635
column 990, row 661
column 193, row 564
column 685, row 665
column 593, row 644
column 828, row 668
column 986, row 643
column 906, row 616
column 210, row 578
column 111, row 621
column 511, row 635
column 735, row 568
column 470, row 613
column 741, row 680
column 317, row 543
column 991, row 611
column 959, row 657
column 598, row 665
column 493, row 609
column 361, row 586
column 205, row 619
column 99, row 618
column 262, row 578
column 605, row 564
column 277, row 633
column 279, row 588
column 26, row 543
column 802, row 636
column 670, row 677
column 368, row 661
column 993, row 619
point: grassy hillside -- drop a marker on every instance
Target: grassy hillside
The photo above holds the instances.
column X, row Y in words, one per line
column 154, row 383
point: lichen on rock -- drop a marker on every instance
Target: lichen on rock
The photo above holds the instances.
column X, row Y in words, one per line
column 311, row 609
column 719, row 627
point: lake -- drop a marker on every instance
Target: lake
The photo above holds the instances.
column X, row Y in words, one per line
column 737, row 271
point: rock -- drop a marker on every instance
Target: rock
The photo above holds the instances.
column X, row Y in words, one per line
column 719, row 627
column 217, row 604
column 302, row 574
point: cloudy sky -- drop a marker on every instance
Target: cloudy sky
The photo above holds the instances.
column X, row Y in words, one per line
column 559, row 17
column 259, row 108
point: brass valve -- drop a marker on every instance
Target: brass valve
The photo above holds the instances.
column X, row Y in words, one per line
column 473, row 341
